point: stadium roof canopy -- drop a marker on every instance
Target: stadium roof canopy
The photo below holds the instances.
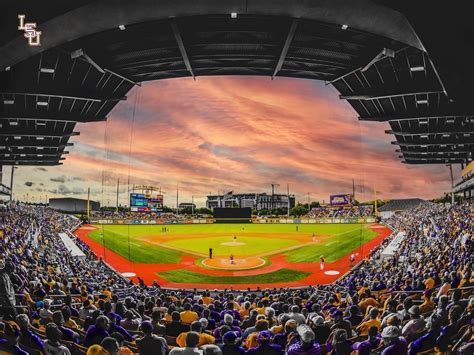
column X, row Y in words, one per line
column 93, row 53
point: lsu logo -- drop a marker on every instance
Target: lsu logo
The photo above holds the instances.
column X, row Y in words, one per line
column 33, row 36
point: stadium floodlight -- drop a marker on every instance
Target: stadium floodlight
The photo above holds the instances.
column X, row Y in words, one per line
column 450, row 120
column 445, row 135
column 47, row 70
column 424, row 136
column 20, row 148
column 422, row 101
column 42, row 103
column 467, row 135
column 7, row 68
column 8, row 102
column 7, row 155
column 22, row 155
column 344, row 27
column 233, row 14
column 423, row 121
column 418, row 68
column 40, row 138
column 41, row 123
column 39, row 155
column 17, row 137
column 39, row 148
column 122, row 27
column 13, row 123
column 3, row 147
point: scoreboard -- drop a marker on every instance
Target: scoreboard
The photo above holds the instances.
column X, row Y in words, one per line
column 146, row 203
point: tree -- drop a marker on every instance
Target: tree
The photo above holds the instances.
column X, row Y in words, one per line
column 299, row 210
column 203, row 210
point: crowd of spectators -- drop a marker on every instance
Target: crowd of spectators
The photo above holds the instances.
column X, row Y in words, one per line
column 341, row 211
column 418, row 301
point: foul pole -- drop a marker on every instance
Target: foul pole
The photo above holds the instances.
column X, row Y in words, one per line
column 375, row 201
column 88, row 205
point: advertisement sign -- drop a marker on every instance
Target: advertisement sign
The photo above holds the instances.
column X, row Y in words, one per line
column 340, row 200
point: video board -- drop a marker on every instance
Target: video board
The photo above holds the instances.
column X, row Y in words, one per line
column 146, row 203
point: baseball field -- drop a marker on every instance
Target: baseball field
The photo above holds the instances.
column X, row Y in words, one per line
column 243, row 255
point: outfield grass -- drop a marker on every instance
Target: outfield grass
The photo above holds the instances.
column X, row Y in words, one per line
column 251, row 245
column 281, row 275
column 334, row 248
column 147, row 242
column 140, row 252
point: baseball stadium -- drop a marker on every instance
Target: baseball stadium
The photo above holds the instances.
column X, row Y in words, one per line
column 236, row 177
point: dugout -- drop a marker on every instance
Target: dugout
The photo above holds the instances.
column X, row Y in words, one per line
column 232, row 215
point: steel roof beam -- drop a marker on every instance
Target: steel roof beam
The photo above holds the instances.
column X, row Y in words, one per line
column 286, row 47
column 71, row 96
column 431, row 116
column 50, row 118
column 182, row 48
column 386, row 96
column 40, row 135
column 400, row 133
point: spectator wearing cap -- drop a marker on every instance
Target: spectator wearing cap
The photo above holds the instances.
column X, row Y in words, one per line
column 53, row 345
column 338, row 322
column 320, row 329
column 27, row 337
column 373, row 321
column 367, row 346
column 296, row 315
column 204, row 338
column 229, row 346
column 10, row 344
column 394, row 343
column 264, row 345
column 415, row 325
column 305, row 344
column 428, row 340
column 192, row 341
column 151, row 344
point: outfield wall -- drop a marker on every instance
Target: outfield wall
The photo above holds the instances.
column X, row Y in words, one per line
column 352, row 220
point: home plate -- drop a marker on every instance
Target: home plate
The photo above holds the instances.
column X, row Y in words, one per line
column 128, row 274
column 331, row 272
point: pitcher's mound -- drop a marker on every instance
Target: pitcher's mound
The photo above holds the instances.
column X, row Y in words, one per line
column 240, row 263
column 233, row 244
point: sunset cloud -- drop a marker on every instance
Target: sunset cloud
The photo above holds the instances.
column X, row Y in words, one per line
column 235, row 133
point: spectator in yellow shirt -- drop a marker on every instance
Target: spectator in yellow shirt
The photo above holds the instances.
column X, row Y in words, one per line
column 188, row 316
column 204, row 338
column 363, row 328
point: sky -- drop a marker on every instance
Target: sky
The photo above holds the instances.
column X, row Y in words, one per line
column 217, row 134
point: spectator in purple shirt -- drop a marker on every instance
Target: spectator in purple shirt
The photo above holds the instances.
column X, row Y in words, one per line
column 97, row 332
column 27, row 337
column 395, row 344
column 367, row 346
column 306, row 345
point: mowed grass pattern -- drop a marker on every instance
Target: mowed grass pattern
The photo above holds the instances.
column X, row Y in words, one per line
column 333, row 248
column 281, row 275
column 140, row 252
column 148, row 242
column 251, row 245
